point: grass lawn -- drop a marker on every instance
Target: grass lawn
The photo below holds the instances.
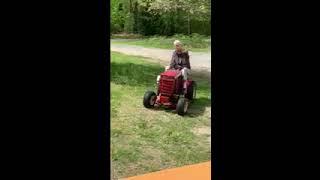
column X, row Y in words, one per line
column 196, row 43
column 144, row 140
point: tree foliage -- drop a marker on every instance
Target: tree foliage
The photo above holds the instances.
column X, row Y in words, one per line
column 162, row 17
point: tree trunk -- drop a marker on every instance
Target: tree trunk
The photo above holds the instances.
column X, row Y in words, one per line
column 176, row 15
column 136, row 17
column 130, row 6
column 189, row 25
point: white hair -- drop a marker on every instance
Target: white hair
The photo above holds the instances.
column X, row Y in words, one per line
column 177, row 42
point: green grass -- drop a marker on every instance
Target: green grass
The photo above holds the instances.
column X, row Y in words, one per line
column 144, row 140
column 197, row 43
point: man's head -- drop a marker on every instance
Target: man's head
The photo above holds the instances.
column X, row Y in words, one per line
column 178, row 45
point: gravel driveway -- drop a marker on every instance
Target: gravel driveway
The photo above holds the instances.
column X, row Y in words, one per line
column 198, row 60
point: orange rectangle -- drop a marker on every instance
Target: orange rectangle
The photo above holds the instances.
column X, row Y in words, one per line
column 200, row 171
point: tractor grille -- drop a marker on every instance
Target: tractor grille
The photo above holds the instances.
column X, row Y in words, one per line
column 167, row 85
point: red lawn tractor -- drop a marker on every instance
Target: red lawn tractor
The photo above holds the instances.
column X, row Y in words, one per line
column 170, row 92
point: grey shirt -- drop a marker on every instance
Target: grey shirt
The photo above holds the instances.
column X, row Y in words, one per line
column 180, row 60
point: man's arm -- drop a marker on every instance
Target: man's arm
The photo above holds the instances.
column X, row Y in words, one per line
column 173, row 64
column 188, row 60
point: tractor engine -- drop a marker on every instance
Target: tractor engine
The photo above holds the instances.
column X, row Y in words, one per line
column 169, row 87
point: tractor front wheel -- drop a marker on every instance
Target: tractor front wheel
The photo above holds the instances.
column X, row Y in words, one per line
column 149, row 99
column 182, row 106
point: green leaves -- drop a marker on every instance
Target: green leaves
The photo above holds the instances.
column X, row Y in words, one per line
column 165, row 17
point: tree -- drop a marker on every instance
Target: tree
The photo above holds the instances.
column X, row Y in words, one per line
column 164, row 17
column 193, row 9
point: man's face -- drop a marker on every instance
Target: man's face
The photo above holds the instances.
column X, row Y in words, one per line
column 178, row 47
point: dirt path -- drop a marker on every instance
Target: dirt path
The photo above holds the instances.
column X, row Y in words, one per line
column 199, row 60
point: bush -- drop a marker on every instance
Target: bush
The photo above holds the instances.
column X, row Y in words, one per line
column 126, row 36
column 193, row 41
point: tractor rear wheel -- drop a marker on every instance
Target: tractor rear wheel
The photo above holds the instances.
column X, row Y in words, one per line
column 149, row 99
column 192, row 90
column 182, row 106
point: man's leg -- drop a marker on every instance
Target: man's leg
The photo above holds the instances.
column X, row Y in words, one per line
column 185, row 72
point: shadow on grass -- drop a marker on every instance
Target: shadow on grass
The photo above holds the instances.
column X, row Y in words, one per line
column 135, row 74
column 202, row 75
column 198, row 107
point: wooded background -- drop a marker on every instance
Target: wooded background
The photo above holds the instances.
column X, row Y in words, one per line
column 161, row 17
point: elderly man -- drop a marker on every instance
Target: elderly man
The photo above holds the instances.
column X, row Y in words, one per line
column 180, row 60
